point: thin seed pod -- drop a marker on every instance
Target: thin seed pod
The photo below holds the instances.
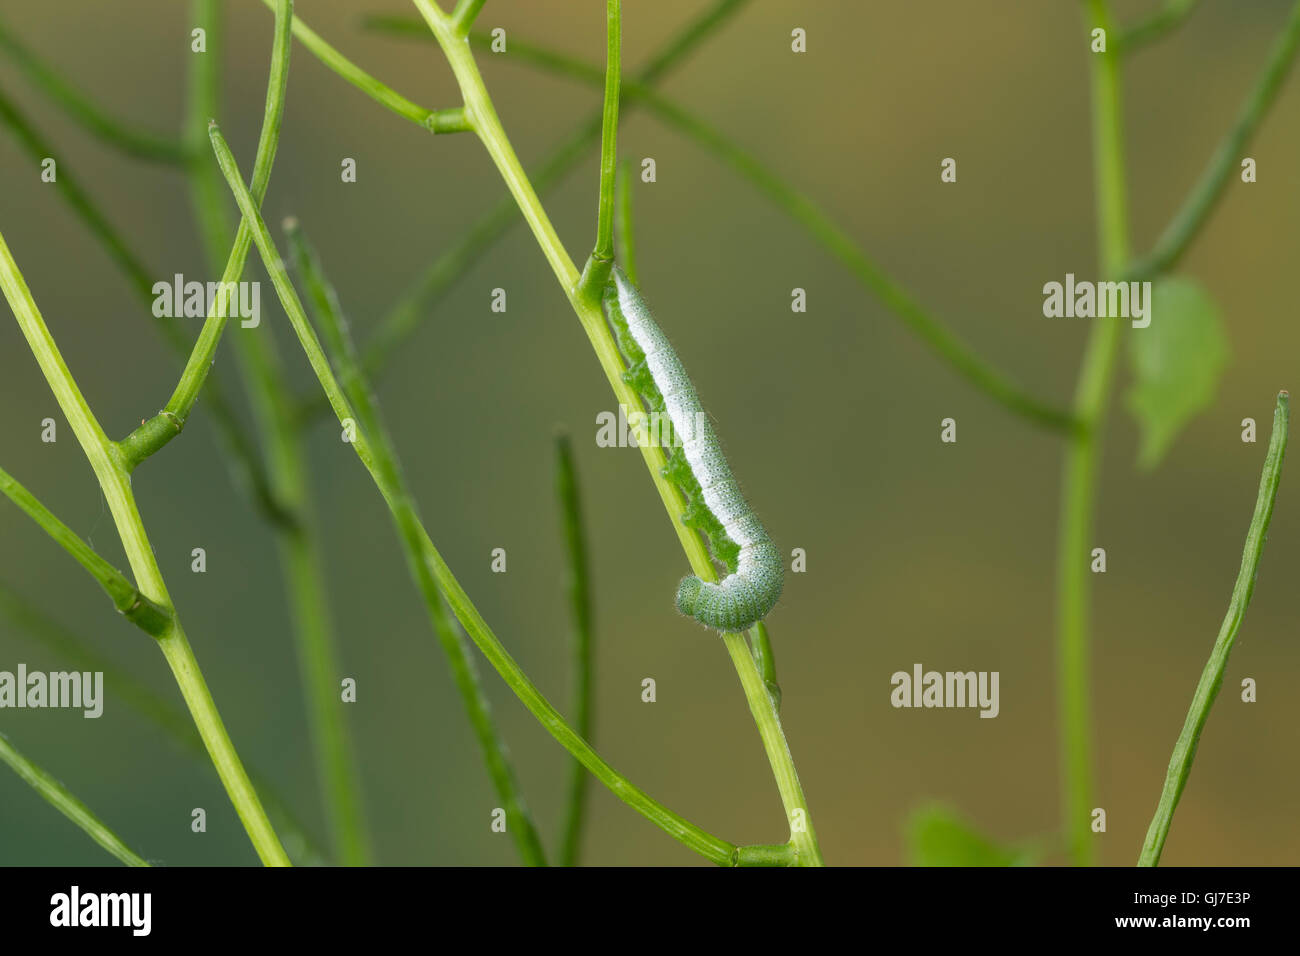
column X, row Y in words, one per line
column 745, row 596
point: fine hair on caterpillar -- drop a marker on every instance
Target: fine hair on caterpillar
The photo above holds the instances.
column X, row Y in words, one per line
column 751, row 590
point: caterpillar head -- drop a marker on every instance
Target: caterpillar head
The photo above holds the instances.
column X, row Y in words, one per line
column 687, row 593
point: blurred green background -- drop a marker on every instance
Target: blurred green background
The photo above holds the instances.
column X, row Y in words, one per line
column 917, row 551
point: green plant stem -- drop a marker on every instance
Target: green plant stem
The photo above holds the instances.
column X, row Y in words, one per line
column 436, row 121
column 59, row 797
column 765, row 661
column 406, row 314
column 128, row 600
column 119, row 135
column 1207, row 688
column 315, row 645
column 1225, row 162
column 624, row 221
column 483, row 117
column 465, row 13
column 247, row 468
column 113, row 474
column 1159, row 24
column 778, row 854
column 940, row 339
column 578, row 586
column 1079, row 489
column 167, row 424
column 407, row 521
column 803, row 839
column 709, row 846
column 597, row 273
column 119, row 685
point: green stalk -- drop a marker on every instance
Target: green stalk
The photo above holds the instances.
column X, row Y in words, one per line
column 709, row 846
column 623, row 219
column 113, row 473
column 405, row 316
column 1079, row 490
column 167, row 424
column 1207, row 688
column 31, row 620
column 436, row 121
column 465, row 13
column 1224, row 164
column 482, row 116
column 59, row 797
column 128, row 600
column 578, row 586
column 597, row 272
column 803, row 839
column 407, row 522
column 765, row 661
column 314, row 641
column 244, row 463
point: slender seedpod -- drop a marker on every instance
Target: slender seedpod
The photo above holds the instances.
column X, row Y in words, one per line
column 745, row 596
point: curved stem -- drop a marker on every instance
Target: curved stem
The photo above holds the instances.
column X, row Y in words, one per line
column 167, row 424
column 1207, row 688
column 1191, row 216
column 243, row 461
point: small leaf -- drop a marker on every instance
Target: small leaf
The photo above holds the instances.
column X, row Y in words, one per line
column 1177, row 362
column 936, row 836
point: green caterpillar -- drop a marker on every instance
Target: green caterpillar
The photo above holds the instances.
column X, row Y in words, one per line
column 717, row 508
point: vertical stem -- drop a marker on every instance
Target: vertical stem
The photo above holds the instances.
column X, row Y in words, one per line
column 609, row 132
column 626, row 234
column 300, row 565
column 579, row 587
column 1079, row 491
column 485, row 122
column 803, row 839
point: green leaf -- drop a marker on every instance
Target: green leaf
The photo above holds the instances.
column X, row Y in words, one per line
column 937, row 836
column 1177, row 362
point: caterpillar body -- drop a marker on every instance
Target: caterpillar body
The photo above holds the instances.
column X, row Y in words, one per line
column 751, row 590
